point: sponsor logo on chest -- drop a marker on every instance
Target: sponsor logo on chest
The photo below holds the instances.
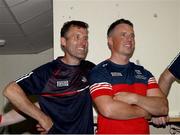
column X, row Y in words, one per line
column 65, row 83
column 116, row 74
column 62, row 83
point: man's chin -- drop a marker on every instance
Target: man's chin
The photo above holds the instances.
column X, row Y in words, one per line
column 82, row 58
column 130, row 54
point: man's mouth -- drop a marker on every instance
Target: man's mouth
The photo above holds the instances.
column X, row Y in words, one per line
column 127, row 45
column 82, row 49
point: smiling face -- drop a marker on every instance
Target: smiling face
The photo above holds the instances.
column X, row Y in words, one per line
column 122, row 40
column 75, row 43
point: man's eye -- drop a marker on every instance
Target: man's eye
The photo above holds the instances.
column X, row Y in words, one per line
column 123, row 34
column 85, row 38
column 132, row 36
column 77, row 37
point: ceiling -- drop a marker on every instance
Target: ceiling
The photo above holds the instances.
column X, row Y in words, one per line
column 26, row 26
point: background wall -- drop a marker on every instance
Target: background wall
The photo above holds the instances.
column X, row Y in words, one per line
column 14, row 66
column 156, row 24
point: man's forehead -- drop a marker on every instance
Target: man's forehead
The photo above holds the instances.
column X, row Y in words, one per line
column 77, row 29
column 124, row 28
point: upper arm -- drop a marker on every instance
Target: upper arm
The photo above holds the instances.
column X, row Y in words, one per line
column 12, row 87
column 165, row 81
column 106, row 106
column 153, row 89
column 113, row 109
column 166, row 78
column 156, row 92
column 103, row 103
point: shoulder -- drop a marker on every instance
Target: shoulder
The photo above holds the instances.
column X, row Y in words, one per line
column 87, row 64
column 99, row 73
column 135, row 66
column 174, row 66
column 101, row 67
column 46, row 67
column 139, row 69
column 175, row 62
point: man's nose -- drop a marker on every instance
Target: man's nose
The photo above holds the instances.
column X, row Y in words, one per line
column 84, row 42
column 129, row 38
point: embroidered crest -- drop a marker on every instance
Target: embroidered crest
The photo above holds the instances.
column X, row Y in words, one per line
column 84, row 79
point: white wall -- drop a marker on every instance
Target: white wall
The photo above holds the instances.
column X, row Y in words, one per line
column 156, row 24
column 14, row 66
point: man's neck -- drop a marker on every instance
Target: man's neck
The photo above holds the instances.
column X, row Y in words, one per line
column 121, row 60
column 70, row 61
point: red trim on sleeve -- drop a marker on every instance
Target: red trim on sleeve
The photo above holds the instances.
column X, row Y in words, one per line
column 101, row 92
column 153, row 85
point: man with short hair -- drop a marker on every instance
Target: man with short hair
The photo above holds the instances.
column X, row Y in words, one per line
column 61, row 87
column 125, row 94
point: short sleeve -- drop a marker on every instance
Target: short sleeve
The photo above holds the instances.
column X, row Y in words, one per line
column 174, row 67
column 152, row 83
column 99, row 84
column 33, row 82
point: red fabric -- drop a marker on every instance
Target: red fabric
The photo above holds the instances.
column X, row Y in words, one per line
column 103, row 92
column 132, row 126
column 153, row 85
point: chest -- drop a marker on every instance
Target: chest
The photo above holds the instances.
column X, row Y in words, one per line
column 128, row 80
column 61, row 80
column 138, row 88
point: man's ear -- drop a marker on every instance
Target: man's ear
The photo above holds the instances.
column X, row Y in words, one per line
column 63, row 41
column 109, row 42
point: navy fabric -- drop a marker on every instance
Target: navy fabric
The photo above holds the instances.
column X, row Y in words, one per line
column 108, row 78
column 174, row 67
column 122, row 74
column 63, row 94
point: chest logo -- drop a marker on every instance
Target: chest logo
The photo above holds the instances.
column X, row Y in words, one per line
column 116, row 74
column 139, row 75
column 104, row 65
column 84, row 79
column 138, row 72
column 62, row 83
